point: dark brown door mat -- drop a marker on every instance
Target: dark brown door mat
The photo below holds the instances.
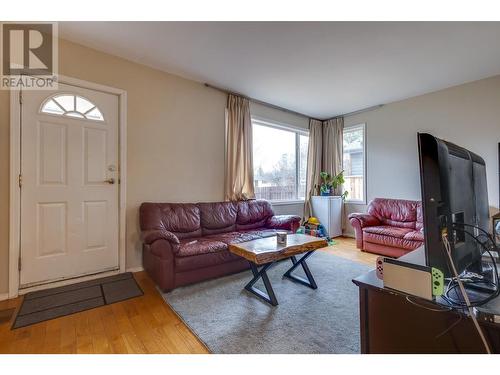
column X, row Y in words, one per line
column 69, row 299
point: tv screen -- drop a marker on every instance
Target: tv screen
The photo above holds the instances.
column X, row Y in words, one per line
column 453, row 185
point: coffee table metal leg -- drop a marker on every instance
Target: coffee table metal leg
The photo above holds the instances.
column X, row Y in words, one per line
column 269, row 297
column 310, row 282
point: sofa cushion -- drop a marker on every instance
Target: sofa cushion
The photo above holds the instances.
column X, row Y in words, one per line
column 415, row 235
column 394, row 212
column 182, row 219
column 284, row 222
column 390, row 236
column 253, row 214
column 390, row 241
column 195, row 246
column 218, row 217
column 233, row 237
column 386, row 230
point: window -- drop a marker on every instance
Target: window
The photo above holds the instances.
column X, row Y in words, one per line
column 72, row 106
column 279, row 161
column 354, row 162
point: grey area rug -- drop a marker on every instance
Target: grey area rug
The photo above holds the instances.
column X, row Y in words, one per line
column 69, row 299
column 229, row 319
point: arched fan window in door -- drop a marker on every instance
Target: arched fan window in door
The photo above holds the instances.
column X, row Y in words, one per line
column 70, row 105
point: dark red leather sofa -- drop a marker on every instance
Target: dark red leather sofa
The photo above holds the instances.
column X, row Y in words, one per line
column 392, row 227
column 184, row 243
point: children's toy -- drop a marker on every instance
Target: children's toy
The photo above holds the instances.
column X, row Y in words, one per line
column 312, row 220
column 313, row 227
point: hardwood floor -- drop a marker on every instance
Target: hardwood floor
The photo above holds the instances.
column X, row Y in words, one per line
column 345, row 247
column 140, row 325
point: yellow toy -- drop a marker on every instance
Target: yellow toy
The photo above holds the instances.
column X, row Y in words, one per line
column 313, row 220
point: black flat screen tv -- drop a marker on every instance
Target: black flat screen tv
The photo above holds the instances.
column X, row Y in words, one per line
column 454, row 191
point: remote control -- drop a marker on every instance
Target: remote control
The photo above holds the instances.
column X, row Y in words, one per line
column 380, row 267
column 437, row 282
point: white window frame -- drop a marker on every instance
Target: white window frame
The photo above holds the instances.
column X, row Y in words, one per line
column 294, row 129
column 355, row 127
column 65, row 113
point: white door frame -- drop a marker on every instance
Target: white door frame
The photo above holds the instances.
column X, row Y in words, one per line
column 15, row 170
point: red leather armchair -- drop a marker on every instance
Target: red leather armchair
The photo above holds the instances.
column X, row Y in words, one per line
column 184, row 243
column 392, row 227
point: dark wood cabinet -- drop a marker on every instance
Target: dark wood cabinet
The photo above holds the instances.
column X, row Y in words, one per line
column 393, row 322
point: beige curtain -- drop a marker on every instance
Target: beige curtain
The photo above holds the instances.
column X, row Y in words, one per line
column 333, row 147
column 314, row 163
column 324, row 155
column 333, row 150
column 238, row 179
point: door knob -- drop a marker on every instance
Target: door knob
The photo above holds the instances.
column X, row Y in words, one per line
column 110, row 181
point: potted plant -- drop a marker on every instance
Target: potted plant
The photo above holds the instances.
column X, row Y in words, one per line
column 330, row 183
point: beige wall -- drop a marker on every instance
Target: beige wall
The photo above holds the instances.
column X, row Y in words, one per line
column 468, row 115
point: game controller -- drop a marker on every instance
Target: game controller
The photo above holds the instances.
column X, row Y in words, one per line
column 380, row 267
column 437, row 282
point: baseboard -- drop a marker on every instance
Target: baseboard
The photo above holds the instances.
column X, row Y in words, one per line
column 135, row 269
column 4, row 296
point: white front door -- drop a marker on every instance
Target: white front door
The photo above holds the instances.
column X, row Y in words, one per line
column 69, row 184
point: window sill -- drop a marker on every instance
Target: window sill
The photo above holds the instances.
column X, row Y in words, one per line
column 286, row 203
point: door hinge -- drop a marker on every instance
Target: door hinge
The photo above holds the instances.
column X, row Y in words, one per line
column 19, row 264
column 20, row 97
column 20, row 180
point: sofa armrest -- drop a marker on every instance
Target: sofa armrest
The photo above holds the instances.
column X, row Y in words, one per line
column 158, row 259
column 363, row 220
column 358, row 222
column 285, row 222
column 150, row 236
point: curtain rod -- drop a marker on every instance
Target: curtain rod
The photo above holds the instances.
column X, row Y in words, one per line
column 226, row 91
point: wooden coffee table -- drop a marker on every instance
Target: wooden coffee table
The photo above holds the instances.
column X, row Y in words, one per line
column 264, row 252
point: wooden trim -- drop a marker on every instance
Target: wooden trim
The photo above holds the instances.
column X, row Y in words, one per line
column 90, row 85
column 15, row 169
column 135, row 269
column 14, row 193
column 123, row 180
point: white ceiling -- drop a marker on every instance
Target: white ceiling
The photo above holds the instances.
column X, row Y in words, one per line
column 321, row 69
